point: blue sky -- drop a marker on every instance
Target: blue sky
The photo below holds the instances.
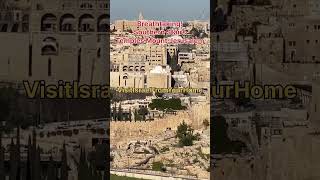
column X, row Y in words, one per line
column 165, row 10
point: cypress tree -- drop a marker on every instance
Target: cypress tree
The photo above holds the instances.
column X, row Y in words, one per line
column 99, row 177
column 90, row 172
column 13, row 171
column 17, row 152
column 120, row 113
column 51, row 170
column 37, row 167
column 114, row 114
column 82, row 168
column 135, row 115
column 64, row 165
column 33, row 155
column 2, row 159
column 94, row 174
column 168, row 58
column 105, row 175
column 130, row 116
column 85, row 165
column 28, row 168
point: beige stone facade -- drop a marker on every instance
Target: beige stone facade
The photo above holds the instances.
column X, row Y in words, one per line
column 302, row 40
column 56, row 40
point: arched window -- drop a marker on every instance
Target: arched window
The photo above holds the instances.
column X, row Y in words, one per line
column 67, row 23
column 125, row 76
column 49, row 50
column 48, row 22
column 86, row 22
column 103, row 24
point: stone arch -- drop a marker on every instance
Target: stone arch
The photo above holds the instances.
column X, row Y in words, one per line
column 67, row 23
column 49, row 50
column 103, row 24
column 49, row 39
column 48, row 22
column 50, row 46
column 86, row 23
column 125, row 68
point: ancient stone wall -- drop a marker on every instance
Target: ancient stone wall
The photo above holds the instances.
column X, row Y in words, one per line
column 126, row 130
column 134, row 130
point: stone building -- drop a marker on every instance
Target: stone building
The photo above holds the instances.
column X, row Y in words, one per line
column 314, row 7
column 302, row 39
column 55, row 40
column 140, row 75
column 141, row 66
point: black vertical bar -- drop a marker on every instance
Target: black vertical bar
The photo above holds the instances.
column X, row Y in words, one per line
column 30, row 61
column 79, row 65
column 213, row 6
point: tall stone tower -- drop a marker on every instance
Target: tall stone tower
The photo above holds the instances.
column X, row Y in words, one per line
column 140, row 16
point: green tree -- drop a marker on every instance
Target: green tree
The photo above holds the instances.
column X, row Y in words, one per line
column 220, row 139
column 29, row 171
column 137, row 116
column 185, row 134
column 37, row 174
column 13, row 165
column 143, row 111
column 195, row 32
column 164, row 104
column 17, row 154
column 158, row 166
column 52, row 175
column 120, row 115
column 64, row 164
column 2, row 170
column 114, row 112
column 130, row 114
column 6, row 96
